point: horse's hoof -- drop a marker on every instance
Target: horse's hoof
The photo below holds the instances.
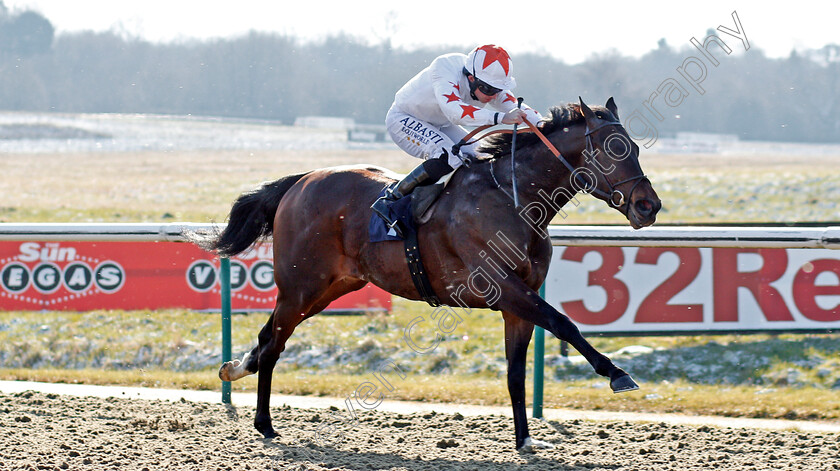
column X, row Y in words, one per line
column 267, row 430
column 531, row 446
column 224, row 371
column 623, row 384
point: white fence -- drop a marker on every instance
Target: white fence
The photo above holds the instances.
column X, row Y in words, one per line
column 99, row 232
column 697, row 236
column 604, row 236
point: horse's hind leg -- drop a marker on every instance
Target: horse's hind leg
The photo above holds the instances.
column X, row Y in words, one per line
column 277, row 333
column 286, row 317
column 271, row 343
column 236, row 369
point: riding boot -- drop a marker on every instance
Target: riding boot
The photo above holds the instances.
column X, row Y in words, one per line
column 382, row 205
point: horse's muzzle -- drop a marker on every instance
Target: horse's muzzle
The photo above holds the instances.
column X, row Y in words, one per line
column 641, row 212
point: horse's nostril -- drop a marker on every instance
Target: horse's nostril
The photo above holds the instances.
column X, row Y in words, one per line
column 644, row 207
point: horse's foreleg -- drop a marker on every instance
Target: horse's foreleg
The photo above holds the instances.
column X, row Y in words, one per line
column 517, row 337
column 520, row 300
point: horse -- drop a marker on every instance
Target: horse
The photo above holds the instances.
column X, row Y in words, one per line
column 319, row 224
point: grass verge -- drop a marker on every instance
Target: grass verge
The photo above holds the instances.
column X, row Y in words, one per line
column 333, row 355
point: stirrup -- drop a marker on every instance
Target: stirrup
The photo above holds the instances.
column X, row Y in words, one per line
column 396, row 228
column 384, row 200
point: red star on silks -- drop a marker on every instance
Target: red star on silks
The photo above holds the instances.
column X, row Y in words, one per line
column 456, row 86
column 452, row 97
column 493, row 53
column 469, row 110
column 510, row 98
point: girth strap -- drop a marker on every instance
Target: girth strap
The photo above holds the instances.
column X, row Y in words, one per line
column 416, row 269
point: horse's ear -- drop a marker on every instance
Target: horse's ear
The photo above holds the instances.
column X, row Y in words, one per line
column 611, row 106
column 587, row 112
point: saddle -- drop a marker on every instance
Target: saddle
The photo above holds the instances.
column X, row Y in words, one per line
column 423, row 197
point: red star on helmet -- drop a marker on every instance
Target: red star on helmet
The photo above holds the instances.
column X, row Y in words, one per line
column 452, row 97
column 469, row 110
column 493, row 53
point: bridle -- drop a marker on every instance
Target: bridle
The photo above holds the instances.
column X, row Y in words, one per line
column 614, row 191
column 615, row 196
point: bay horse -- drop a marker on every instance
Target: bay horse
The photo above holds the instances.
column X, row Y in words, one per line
column 319, row 222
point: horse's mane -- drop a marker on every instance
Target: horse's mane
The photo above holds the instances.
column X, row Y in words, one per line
column 559, row 117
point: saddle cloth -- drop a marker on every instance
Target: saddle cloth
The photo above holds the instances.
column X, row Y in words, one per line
column 400, row 210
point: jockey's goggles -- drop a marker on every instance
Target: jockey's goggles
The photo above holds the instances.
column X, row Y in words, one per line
column 485, row 88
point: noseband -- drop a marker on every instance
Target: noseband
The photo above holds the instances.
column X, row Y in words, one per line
column 614, row 191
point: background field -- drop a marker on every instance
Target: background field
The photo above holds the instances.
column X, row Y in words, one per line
column 203, row 166
column 132, row 168
column 199, row 185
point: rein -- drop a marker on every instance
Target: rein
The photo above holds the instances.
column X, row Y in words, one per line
column 614, row 192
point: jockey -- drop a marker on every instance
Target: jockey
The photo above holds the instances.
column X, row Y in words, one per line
column 427, row 114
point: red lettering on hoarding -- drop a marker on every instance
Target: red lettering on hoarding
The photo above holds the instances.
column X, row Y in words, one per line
column 618, row 296
column 727, row 279
column 655, row 307
column 805, row 290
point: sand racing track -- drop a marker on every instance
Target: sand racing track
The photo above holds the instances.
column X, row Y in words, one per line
column 47, row 430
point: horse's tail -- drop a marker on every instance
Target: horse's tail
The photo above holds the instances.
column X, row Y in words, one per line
column 251, row 218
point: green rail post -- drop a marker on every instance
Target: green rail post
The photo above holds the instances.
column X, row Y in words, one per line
column 539, row 363
column 224, row 276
